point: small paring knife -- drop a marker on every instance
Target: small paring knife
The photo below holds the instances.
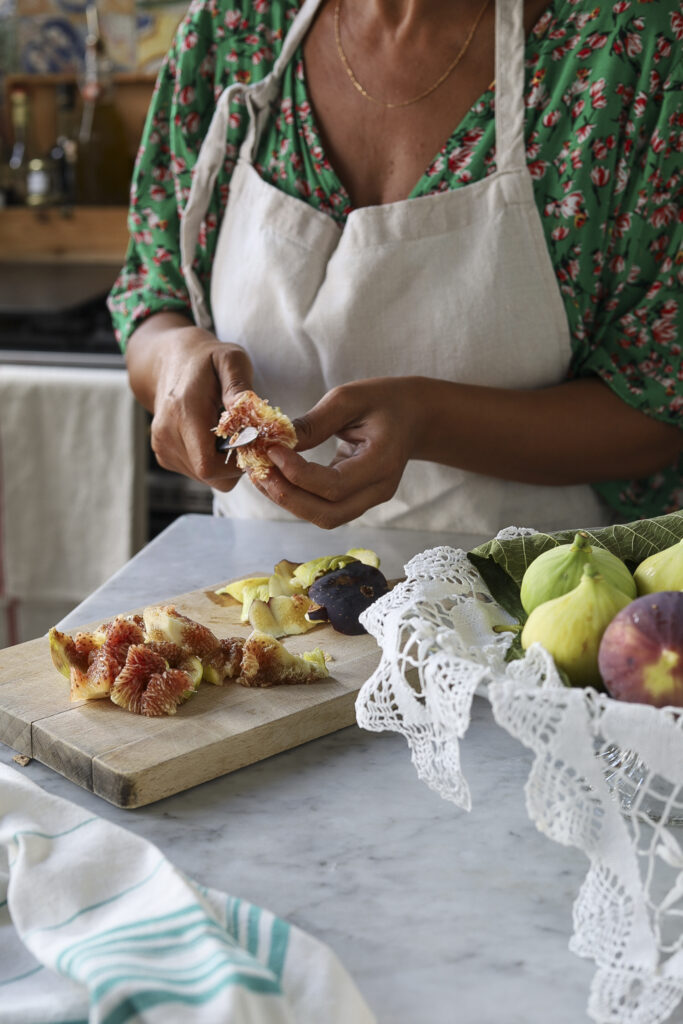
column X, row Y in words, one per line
column 228, row 444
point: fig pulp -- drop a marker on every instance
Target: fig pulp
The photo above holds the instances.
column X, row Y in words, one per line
column 147, row 685
column 641, row 653
column 92, row 661
column 248, row 410
column 267, row 662
column 663, row 571
column 556, row 572
column 571, row 627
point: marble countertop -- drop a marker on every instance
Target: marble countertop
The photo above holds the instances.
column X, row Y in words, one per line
column 440, row 915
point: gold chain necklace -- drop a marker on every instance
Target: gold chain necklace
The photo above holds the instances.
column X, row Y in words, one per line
column 405, row 103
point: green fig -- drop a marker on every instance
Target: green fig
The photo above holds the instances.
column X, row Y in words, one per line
column 663, row 571
column 571, row 627
column 558, row 571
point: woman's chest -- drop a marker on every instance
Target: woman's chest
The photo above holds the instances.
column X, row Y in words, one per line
column 380, row 152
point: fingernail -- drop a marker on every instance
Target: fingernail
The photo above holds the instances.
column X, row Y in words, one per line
column 275, row 454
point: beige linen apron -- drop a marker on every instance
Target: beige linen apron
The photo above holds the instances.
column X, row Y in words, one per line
column 457, row 285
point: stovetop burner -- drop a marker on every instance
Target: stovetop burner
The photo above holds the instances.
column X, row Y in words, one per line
column 83, row 328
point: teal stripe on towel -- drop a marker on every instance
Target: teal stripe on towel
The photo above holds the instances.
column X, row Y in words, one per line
column 142, row 1001
column 279, row 940
column 85, row 969
column 126, row 933
column 53, row 835
column 20, row 977
column 102, row 903
column 130, row 977
column 253, row 918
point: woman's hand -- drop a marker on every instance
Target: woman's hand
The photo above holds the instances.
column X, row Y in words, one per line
column 377, row 423
column 185, row 376
column 577, row 432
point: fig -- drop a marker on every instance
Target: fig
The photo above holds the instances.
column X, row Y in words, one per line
column 663, row 571
column 641, row 653
column 225, row 662
column 281, row 615
column 248, row 410
column 571, row 627
column 342, row 595
column 95, row 659
column 73, row 652
column 267, row 662
column 147, row 685
column 176, row 657
column 556, row 572
column 166, row 623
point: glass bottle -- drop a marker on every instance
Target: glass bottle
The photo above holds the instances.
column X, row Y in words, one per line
column 18, row 158
column 105, row 166
column 64, row 150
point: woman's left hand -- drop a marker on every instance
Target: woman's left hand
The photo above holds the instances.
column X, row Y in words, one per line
column 377, row 422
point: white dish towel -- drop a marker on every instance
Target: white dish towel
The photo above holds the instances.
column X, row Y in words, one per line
column 111, row 932
column 72, row 508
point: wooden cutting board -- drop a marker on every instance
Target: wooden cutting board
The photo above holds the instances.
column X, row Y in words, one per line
column 131, row 760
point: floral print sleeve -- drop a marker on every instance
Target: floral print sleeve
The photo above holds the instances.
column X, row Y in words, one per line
column 615, row 227
column 604, row 134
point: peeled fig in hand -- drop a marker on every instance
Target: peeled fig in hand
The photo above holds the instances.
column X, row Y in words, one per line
column 556, row 572
column 342, row 595
column 663, row 571
column 571, row 627
column 641, row 654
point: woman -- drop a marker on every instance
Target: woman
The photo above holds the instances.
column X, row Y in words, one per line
column 501, row 353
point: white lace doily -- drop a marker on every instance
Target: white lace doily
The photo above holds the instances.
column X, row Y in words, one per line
column 607, row 776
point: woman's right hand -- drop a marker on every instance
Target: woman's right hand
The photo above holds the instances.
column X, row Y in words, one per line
column 184, row 376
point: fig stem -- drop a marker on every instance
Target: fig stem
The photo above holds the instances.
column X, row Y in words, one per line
column 581, row 541
column 507, row 629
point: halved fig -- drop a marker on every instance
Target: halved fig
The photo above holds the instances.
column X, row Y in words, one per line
column 164, row 622
column 176, row 657
column 248, row 410
column 147, row 685
column 72, row 652
column 266, row 662
column 224, row 663
column 95, row 659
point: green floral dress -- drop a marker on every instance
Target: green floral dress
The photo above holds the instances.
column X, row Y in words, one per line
column 604, row 133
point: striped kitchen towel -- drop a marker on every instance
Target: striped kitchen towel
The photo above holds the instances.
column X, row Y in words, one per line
column 97, row 927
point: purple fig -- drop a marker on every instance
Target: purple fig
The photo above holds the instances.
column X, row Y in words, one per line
column 641, row 652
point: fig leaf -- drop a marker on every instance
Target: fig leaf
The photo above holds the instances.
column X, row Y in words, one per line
column 631, row 542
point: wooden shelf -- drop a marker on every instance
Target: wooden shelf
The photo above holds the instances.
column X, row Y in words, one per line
column 90, row 234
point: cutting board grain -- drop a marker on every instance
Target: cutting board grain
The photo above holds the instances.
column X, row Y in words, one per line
column 130, row 760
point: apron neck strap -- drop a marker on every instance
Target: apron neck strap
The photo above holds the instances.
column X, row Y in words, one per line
column 259, row 96
column 211, row 155
column 510, row 50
